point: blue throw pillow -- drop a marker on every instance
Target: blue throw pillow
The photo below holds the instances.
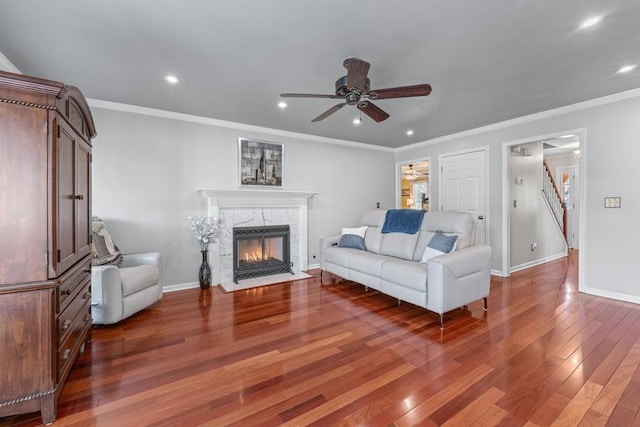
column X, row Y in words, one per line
column 351, row 241
column 442, row 243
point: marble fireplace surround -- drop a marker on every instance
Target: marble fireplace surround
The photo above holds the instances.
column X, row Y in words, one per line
column 255, row 207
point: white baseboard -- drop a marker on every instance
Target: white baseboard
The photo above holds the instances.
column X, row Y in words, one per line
column 538, row 262
column 181, row 287
column 497, row 273
column 612, row 295
column 312, row 266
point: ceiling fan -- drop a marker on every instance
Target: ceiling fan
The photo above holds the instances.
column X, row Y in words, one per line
column 354, row 88
column 412, row 174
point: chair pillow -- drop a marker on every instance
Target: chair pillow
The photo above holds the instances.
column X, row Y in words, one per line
column 438, row 245
column 105, row 252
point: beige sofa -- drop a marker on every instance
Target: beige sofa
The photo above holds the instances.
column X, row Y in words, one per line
column 391, row 262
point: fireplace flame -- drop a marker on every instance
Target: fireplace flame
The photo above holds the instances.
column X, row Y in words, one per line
column 255, row 255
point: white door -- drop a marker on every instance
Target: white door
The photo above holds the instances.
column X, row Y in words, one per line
column 463, row 178
column 568, row 179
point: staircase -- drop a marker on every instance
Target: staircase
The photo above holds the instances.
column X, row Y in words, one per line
column 554, row 199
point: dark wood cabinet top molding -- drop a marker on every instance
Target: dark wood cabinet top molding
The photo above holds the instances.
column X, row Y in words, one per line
column 51, row 95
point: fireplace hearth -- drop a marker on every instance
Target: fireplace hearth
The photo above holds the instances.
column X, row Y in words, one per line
column 260, row 251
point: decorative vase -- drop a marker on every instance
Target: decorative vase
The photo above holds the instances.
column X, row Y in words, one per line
column 205, row 272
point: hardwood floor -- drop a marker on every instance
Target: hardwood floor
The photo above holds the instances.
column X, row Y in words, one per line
column 302, row 353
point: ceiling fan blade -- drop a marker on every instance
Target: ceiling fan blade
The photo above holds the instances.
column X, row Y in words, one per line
column 372, row 111
column 357, row 70
column 308, row 95
column 401, row 92
column 329, row 112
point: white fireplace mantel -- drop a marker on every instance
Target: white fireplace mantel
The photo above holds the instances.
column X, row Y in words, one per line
column 235, row 197
column 251, row 205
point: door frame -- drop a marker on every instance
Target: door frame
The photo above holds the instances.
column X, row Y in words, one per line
column 487, row 183
column 572, row 220
column 506, row 196
column 398, row 179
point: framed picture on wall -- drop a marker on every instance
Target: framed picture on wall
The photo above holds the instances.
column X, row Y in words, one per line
column 261, row 163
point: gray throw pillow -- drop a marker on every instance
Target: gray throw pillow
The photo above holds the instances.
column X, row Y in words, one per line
column 351, row 241
column 442, row 243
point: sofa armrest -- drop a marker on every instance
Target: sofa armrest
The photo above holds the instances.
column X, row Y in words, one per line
column 327, row 242
column 106, row 285
column 458, row 278
column 141, row 258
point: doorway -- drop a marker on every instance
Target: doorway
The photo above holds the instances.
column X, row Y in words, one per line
column 414, row 188
column 562, row 153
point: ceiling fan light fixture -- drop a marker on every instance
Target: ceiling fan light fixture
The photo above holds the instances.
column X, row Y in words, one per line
column 171, row 79
column 409, row 132
column 282, row 104
column 594, row 20
column 357, row 121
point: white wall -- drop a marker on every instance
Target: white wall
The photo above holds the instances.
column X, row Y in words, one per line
column 531, row 219
column 610, row 150
column 146, row 170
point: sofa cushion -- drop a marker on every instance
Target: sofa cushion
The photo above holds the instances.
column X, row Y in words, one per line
column 410, row 274
column 137, row 278
column 367, row 262
column 399, row 245
column 339, row 256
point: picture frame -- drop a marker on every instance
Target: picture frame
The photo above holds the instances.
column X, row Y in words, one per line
column 406, row 192
column 260, row 163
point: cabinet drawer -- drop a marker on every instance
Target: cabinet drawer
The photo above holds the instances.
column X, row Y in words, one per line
column 71, row 283
column 77, row 305
column 68, row 351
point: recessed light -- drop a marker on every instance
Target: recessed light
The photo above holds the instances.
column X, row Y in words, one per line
column 172, row 79
column 282, row 104
column 590, row 22
column 357, row 120
column 626, row 69
column 409, row 132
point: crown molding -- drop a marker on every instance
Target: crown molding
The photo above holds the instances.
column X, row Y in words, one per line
column 7, row 65
column 135, row 109
column 633, row 93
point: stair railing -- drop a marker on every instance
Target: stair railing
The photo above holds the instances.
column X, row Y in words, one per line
column 554, row 198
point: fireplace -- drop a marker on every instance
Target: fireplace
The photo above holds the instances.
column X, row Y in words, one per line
column 260, row 251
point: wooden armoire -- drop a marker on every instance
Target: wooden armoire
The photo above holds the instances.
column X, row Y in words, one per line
column 45, row 240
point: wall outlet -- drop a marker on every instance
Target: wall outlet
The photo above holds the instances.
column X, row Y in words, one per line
column 533, row 246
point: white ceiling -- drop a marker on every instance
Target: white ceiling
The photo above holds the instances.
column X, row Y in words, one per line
column 487, row 61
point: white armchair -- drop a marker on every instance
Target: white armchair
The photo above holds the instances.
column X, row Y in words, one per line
column 117, row 292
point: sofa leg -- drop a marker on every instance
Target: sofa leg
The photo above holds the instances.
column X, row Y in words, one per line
column 399, row 301
column 441, row 321
column 366, row 289
column 484, row 300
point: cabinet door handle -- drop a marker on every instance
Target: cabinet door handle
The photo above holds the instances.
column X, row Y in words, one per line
column 66, row 325
column 86, row 295
column 78, row 197
column 66, row 354
column 65, row 292
column 87, row 317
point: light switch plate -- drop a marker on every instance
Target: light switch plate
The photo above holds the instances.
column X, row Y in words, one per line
column 612, row 202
